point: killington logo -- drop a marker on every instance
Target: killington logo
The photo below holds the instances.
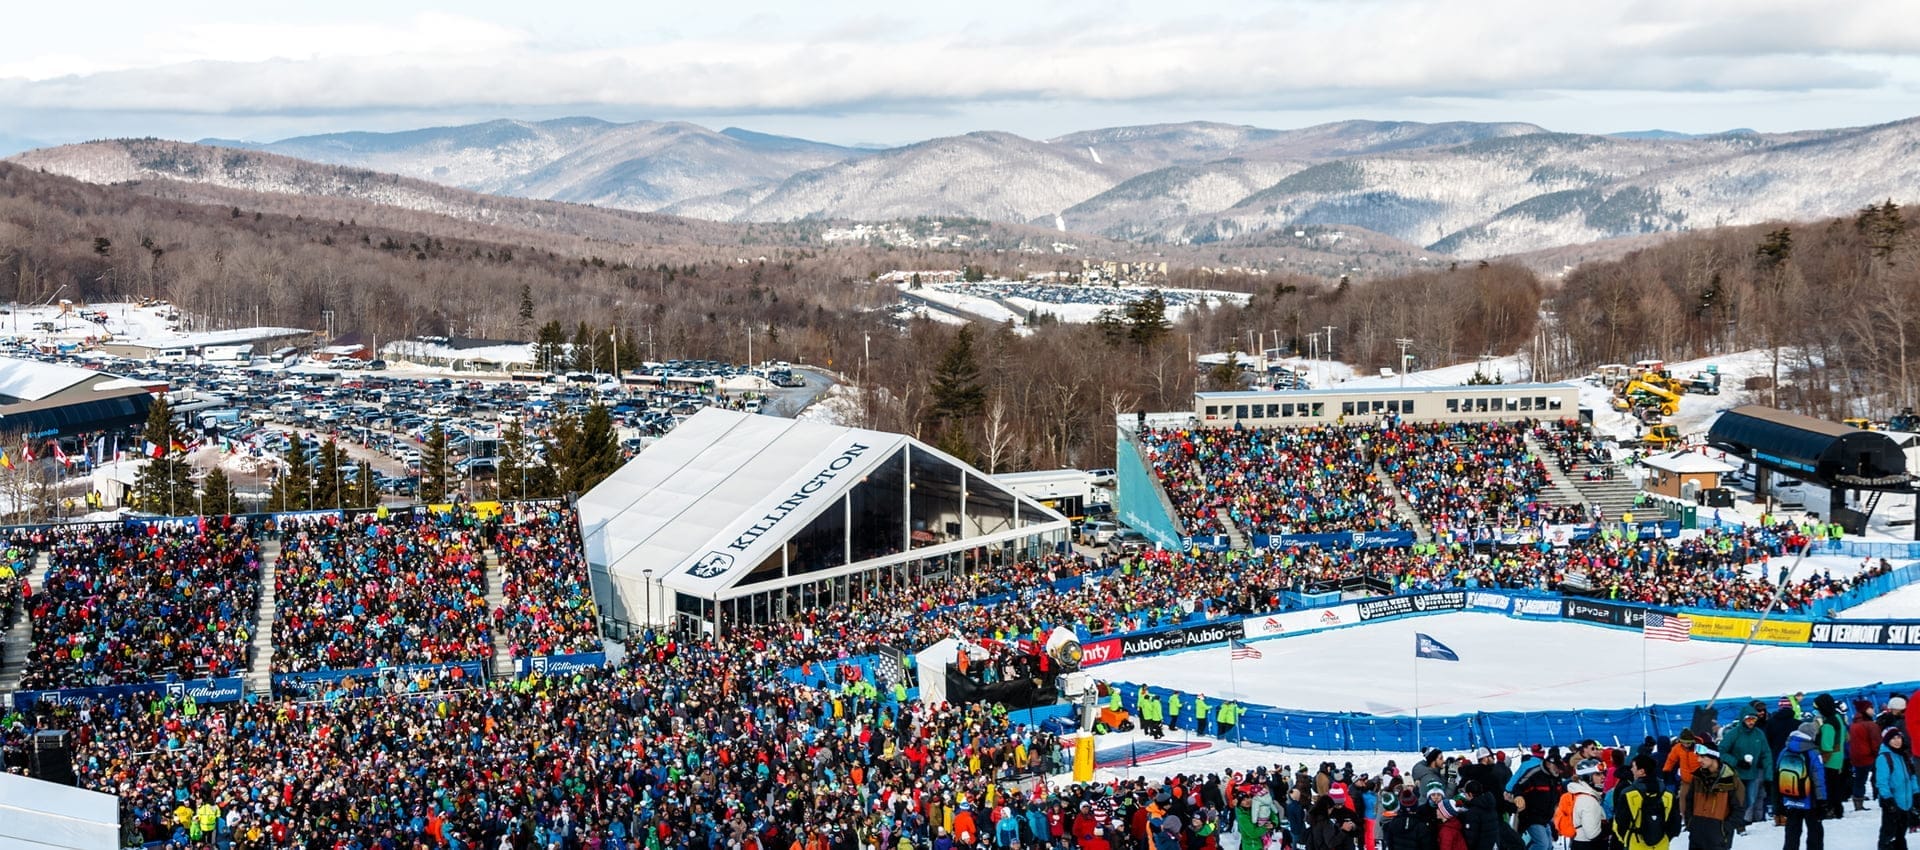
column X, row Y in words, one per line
column 711, row 565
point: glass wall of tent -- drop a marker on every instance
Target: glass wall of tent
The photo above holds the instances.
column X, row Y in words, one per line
column 747, row 605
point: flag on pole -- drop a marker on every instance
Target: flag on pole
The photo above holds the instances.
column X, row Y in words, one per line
column 60, row 456
column 1424, row 646
column 26, row 452
column 1671, row 627
column 5, row 462
column 153, row 450
column 1242, row 651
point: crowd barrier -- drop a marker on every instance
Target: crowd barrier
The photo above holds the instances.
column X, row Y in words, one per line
column 226, row 689
column 1623, row 727
column 559, row 665
column 1892, row 550
column 474, row 670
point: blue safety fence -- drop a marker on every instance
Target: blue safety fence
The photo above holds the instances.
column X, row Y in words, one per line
column 1624, row 727
column 1892, row 550
column 1872, row 588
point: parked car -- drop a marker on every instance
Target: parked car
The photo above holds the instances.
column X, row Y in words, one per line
column 1097, row 532
column 1127, row 542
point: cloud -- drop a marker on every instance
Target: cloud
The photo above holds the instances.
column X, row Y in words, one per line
column 1313, row 52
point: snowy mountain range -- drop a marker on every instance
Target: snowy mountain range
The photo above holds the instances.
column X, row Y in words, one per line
column 1468, row 189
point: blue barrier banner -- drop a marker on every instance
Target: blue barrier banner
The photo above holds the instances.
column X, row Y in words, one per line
column 560, row 665
column 229, row 689
column 472, row 669
column 1336, row 540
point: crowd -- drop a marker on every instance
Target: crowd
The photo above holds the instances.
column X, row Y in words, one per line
column 1465, row 480
column 549, row 601
column 1271, row 480
column 363, row 592
column 15, row 564
column 137, row 603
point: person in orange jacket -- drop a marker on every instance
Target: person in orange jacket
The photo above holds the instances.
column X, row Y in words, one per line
column 965, row 833
column 1683, row 757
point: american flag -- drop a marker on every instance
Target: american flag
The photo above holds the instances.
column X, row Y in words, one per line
column 1242, row 651
column 1668, row 627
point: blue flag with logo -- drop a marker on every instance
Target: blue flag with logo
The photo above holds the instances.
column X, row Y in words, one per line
column 1424, row 646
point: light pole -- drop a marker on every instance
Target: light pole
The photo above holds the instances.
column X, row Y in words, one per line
column 647, row 577
column 328, row 315
column 1404, row 345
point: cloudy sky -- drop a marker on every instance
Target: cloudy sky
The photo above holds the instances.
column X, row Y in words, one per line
column 855, row 71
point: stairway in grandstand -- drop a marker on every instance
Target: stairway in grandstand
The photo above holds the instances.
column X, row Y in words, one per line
column 1613, row 497
column 19, row 638
column 497, row 601
column 260, row 661
column 1421, row 531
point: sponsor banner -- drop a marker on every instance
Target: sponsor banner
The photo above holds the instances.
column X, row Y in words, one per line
column 561, row 665
column 1564, row 534
column 1483, row 601
column 1865, row 634
column 1595, row 612
column 1100, row 652
column 1336, row 540
column 1395, row 606
column 1773, row 631
column 1527, row 606
column 1182, row 638
column 472, row 670
column 228, row 689
column 1301, row 622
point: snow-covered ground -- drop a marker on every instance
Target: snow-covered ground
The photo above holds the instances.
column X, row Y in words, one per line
column 1903, row 603
column 1505, row 665
column 1073, row 304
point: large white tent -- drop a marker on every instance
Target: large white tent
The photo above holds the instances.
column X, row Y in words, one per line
column 37, row 814
column 735, row 516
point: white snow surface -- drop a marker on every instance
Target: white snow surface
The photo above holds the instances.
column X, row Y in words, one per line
column 1505, row 665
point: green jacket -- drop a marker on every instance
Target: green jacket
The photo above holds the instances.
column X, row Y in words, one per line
column 1149, row 707
column 1113, row 698
column 1738, row 742
column 1229, row 712
column 1173, row 703
column 1200, row 708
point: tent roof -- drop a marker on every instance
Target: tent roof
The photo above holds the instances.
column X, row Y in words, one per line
column 41, row 814
column 704, row 505
column 1685, row 462
column 696, row 491
column 32, row 380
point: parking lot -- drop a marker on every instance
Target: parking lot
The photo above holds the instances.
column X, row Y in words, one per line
column 246, row 415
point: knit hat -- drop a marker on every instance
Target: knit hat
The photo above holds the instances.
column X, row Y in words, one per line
column 1482, row 753
column 1810, row 728
column 1824, row 703
column 1429, row 754
column 1897, row 704
column 1687, row 736
column 1892, row 731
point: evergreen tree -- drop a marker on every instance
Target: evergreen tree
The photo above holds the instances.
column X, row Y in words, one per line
column 584, row 449
column 1147, row 319
column 294, row 490
column 1112, row 328
column 329, row 478
column 434, row 482
column 216, row 493
column 165, row 484
column 526, row 309
column 517, row 475
column 364, row 491
column 1225, row 376
column 549, row 347
column 583, row 349
column 955, row 386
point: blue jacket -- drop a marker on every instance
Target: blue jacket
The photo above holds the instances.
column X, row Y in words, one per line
column 1893, row 778
column 1802, row 743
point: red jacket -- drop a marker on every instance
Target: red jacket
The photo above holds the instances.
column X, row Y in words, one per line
column 1863, row 742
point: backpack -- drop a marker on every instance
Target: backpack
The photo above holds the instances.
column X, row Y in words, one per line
column 1793, row 776
column 1563, row 817
column 1510, row 838
column 1655, row 826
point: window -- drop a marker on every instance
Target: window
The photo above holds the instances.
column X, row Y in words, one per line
column 1553, row 404
column 1346, row 408
column 1240, row 411
column 1379, row 406
column 1526, row 403
column 1480, row 404
column 1319, row 408
column 1453, row 405
column 1406, row 405
column 1539, row 402
column 1286, row 410
column 1212, row 411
